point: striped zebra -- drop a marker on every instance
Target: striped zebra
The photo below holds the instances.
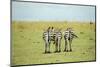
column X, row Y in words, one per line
column 58, row 37
column 48, row 36
column 52, row 36
column 68, row 36
column 47, row 41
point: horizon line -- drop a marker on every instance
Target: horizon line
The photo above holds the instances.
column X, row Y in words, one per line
column 53, row 21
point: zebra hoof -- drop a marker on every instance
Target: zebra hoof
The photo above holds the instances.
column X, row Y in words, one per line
column 65, row 50
column 49, row 52
column 70, row 50
column 55, row 51
column 59, row 50
column 45, row 52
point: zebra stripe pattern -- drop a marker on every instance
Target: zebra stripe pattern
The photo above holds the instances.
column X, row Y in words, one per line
column 56, row 36
column 69, row 34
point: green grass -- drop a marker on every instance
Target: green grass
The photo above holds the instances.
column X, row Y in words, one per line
column 28, row 45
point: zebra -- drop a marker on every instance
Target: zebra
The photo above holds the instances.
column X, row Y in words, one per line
column 68, row 36
column 58, row 37
column 46, row 38
column 52, row 35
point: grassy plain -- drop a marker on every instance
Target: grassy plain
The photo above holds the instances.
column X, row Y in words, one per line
column 28, row 45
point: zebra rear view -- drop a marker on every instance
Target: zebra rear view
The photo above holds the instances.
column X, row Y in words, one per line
column 58, row 37
column 68, row 36
column 55, row 36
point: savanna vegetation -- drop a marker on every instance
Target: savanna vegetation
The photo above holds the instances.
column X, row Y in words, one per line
column 28, row 44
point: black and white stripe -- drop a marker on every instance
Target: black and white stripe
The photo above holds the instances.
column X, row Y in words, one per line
column 52, row 36
column 46, row 38
column 58, row 37
column 68, row 36
column 55, row 37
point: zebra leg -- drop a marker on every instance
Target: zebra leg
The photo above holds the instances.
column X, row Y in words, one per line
column 59, row 45
column 49, row 47
column 70, row 42
column 45, row 47
column 66, row 46
column 56, row 46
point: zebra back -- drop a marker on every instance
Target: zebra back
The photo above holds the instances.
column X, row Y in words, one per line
column 68, row 34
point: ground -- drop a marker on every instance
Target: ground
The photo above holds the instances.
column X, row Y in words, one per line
column 28, row 45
